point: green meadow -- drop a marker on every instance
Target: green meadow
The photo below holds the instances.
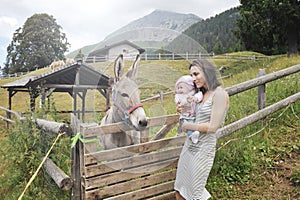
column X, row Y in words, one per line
column 261, row 161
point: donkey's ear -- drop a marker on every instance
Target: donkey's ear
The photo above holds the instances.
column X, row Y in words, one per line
column 119, row 67
column 132, row 73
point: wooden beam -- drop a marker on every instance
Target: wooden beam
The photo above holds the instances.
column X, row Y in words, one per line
column 76, row 163
column 69, row 86
column 52, row 127
column 121, row 126
column 62, row 180
column 235, row 89
column 239, row 124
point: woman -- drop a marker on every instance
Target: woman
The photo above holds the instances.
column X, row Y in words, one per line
column 196, row 159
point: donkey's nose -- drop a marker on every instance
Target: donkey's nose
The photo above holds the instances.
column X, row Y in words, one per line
column 143, row 124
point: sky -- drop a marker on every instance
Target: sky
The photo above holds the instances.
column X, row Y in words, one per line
column 87, row 22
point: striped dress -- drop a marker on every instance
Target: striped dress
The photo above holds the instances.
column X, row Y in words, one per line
column 196, row 160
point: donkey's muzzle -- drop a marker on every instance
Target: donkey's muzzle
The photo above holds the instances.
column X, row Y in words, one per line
column 143, row 124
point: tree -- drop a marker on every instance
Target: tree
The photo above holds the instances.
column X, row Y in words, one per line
column 35, row 45
column 270, row 26
column 218, row 48
column 79, row 55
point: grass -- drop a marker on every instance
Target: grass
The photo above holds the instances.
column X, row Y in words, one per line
column 257, row 162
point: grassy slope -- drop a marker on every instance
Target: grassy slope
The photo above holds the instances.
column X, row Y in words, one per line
column 261, row 167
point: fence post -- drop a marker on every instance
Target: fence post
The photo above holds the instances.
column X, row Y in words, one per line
column 161, row 96
column 173, row 56
column 261, row 89
column 76, row 162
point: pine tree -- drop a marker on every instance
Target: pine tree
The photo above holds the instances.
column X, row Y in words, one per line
column 270, row 27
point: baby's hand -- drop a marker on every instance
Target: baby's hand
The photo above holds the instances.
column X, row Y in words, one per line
column 182, row 108
column 191, row 99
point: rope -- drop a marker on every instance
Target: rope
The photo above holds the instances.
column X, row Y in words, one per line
column 40, row 166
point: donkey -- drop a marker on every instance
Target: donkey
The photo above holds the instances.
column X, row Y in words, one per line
column 126, row 107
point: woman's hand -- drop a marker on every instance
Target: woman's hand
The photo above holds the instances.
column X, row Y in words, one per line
column 186, row 126
column 202, row 127
column 179, row 108
column 182, row 109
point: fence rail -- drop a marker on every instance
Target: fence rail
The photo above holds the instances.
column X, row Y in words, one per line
column 147, row 170
column 173, row 56
column 158, row 56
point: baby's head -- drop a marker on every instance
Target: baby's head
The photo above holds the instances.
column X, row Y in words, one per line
column 185, row 85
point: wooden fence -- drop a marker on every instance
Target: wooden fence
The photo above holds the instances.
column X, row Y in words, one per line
column 147, row 170
column 173, row 56
column 158, row 56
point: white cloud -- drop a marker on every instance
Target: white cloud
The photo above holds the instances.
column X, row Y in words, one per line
column 8, row 25
column 87, row 22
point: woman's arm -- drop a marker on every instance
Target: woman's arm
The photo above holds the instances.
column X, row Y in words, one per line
column 219, row 107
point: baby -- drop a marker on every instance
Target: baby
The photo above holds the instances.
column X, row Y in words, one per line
column 186, row 96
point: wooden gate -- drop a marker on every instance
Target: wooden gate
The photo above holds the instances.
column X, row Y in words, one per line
column 147, row 170
column 143, row 171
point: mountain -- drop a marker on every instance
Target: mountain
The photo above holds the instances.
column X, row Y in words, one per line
column 215, row 34
column 154, row 30
column 161, row 19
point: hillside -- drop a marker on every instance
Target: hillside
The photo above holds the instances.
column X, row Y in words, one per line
column 261, row 161
column 159, row 26
column 215, row 34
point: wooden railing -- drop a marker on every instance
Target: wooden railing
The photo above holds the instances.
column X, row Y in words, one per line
column 148, row 170
column 144, row 170
column 173, row 56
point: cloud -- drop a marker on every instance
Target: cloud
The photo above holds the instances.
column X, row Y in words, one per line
column 8, row 25
column 88, row 22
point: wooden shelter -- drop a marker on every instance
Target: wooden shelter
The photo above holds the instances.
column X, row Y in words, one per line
column 74, row 79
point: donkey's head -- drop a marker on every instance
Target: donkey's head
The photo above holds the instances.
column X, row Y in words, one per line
column 127, row 105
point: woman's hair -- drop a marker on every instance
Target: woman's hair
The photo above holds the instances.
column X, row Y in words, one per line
column 210, row 73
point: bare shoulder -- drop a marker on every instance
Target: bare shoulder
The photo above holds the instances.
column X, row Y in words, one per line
column 220, row 94
column 219, row 91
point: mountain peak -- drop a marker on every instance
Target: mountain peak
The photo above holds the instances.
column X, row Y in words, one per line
column 160, row 19
column 158, row 26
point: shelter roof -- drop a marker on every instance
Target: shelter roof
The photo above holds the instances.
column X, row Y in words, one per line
column 63, row 79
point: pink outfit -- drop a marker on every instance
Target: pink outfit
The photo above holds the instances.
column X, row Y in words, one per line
column 182, row 96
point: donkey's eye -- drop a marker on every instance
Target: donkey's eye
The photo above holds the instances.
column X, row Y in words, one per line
column 124, row 95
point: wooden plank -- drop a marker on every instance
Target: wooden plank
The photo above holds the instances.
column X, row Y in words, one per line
column 261, row 91
column 146, row 192
column 121, row 126
column 107, row 179
column 166, row 196
column 131, row 185
column 71, row 86
column 144, row 136
column 132, row 162
column 53, row 127
column 235, row 89
column 122, row 152
column 241, row 123
column 75, row 163
column 62, row 180
column 163, row 132
column 7, row 120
